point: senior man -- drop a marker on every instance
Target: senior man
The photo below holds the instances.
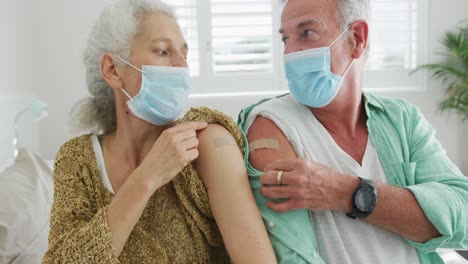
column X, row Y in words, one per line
column 348, row 177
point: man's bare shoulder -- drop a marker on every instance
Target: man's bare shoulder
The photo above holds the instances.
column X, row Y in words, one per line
column 273, row 144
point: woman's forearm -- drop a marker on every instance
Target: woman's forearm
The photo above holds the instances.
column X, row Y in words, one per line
column 126, row 208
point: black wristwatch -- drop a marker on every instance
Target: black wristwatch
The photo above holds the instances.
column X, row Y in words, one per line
column 364, row 199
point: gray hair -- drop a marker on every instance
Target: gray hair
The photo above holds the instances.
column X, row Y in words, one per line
column 351, row 10
column 113, row 31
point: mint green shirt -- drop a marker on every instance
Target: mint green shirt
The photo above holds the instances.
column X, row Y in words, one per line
column 411, row 158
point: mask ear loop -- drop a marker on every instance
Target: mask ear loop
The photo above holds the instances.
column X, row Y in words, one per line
column 349, row 67
column 131, row 65
column 333, row 43
column 128, row 63
column 129, row 97
column 342, row 33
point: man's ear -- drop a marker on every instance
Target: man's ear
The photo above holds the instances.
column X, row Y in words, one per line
column 109, row 71
column 360, row 30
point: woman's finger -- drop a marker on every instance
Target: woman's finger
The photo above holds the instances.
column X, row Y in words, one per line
column 190, row 143
column 188, row 125
column 184, row 135
column 191, row 155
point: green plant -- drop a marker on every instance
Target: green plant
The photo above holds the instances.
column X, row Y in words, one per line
column 453, row 71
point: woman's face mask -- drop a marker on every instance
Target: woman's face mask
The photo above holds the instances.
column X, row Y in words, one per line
column 310, row 78
column 163, row 95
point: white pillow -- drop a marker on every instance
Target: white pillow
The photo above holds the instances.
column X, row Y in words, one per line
column 26, row 195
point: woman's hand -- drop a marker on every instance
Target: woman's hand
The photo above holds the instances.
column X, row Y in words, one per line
column 172, row 151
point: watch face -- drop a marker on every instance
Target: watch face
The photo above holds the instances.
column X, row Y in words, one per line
column 364, row 199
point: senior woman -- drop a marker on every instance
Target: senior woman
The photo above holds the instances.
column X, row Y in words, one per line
column 146, row 189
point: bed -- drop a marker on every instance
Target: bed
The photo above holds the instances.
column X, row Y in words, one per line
column 26, row 187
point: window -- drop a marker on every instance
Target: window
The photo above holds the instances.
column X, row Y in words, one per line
column 186, row 12
column 235, row 47
column 397, row 44
column 241, row 36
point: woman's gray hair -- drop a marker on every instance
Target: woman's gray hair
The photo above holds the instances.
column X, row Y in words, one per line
column 113, row 32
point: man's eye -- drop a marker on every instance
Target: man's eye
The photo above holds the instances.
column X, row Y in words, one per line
column 162, row 52
column 309, row 32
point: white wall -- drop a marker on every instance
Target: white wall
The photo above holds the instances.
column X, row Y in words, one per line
column 63, row 27
column 16, row 73
column 16, row 45
column 61, row 32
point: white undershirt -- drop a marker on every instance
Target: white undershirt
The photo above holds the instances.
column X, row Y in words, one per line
column 340, row 239
column 101, row 164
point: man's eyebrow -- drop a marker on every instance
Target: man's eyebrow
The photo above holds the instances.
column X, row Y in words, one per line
column 308, row 22
column 303, row 24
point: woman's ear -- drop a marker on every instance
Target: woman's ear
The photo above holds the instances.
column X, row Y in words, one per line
column 109, row 71
column 360, row 30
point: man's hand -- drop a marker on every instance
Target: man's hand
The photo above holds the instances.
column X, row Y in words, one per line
column 307, row 185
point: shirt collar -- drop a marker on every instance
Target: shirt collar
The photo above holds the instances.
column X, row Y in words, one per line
column 372, row 101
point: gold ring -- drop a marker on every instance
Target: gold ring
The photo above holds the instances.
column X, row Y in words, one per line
column 278, row 178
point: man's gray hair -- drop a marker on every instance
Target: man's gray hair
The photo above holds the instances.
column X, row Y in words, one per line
column 352, row 10
column 115, row 28
column 349, row 11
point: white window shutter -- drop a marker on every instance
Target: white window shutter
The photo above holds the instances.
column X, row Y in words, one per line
column 398, row 43
column 186, row 12
column 241, row 36
column 393, row 34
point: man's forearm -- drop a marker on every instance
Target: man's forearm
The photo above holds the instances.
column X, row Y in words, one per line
column 398, row 211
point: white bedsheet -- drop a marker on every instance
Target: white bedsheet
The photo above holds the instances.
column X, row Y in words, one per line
column 26, row 195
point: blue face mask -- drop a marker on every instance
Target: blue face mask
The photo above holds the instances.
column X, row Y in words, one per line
column 163, row 95
column 310, row 78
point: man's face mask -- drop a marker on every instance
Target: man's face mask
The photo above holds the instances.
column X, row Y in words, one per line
column 310, row 78
column 163, row 94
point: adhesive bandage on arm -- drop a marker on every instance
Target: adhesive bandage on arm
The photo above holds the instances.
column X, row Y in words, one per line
column 269, row 143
